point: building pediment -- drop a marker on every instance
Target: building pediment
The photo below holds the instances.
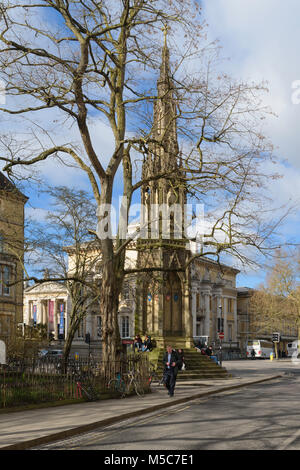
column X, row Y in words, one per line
column 50, row 287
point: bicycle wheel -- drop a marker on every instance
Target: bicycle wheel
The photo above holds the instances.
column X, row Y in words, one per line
column 138, row 388
column 94, row 395
column 155, row 380
column 117, row 386
column 87, row 393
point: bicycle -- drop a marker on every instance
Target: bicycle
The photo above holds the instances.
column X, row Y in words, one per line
column 154, row 378
column 124, row 386
column 87, row 389
column 84, row 386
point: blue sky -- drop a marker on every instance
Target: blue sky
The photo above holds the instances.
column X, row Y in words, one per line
column 261, row 39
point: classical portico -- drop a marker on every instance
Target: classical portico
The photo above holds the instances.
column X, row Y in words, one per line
column 47, row 304
column 214, row 301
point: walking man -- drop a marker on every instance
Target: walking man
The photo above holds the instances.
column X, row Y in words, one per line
column 171, row 362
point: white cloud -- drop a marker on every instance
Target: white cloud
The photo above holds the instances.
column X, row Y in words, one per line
column 36, row 213
column 261, row 37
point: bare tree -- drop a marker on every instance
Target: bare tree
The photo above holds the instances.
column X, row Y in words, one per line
column 99, row 60
column 276, row 306
column 63, row 247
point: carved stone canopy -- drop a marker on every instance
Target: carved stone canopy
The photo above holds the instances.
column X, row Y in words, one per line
column 206, row 277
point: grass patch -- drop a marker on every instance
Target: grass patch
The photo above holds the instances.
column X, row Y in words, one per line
column 154, row 355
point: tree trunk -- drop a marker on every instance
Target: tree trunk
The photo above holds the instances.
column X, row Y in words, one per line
column 109, row 303
column 68, row 343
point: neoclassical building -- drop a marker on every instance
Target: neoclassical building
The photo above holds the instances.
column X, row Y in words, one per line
column 12, row 203
column 212, row 299
column 49, row 304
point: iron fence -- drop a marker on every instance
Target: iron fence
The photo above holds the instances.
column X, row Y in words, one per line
column 44, row 380
column 231, row 355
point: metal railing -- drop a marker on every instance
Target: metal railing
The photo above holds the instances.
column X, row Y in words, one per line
column 231, row 355
column 35, row 381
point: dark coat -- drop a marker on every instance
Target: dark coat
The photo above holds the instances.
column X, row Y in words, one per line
column 181, row 358
column 174, row 358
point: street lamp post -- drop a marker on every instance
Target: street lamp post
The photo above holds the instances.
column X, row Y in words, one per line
column 221, row 330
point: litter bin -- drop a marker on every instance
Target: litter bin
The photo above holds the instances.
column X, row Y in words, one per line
column 271, row 356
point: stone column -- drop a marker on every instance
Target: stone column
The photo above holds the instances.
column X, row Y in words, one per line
column 218, row 310
column 217, row 290
column 51, row 324
column 67, row 315
column 156, row 312
column 193, row 308
column 235, row 327
column 30, row 303
column 27, row 313
column 188, row 319
column 225, row 318
column 55, row 319
column 38, row 310
column 64, row 301
column 206, row 294
column 46, row 306
column 43, row 312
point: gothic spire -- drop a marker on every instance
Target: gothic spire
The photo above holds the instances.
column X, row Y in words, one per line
column 163, row 156
column 164, row 84
column 164, row 118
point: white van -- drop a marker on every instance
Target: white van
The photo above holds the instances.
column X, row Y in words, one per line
column 261, row 347
column 292, row 348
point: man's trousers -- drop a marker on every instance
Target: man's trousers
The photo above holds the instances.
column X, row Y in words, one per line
column 170, row 380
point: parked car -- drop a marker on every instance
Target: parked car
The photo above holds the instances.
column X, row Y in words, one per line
column 51, row 353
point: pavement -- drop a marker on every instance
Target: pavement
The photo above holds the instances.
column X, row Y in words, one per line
column 26, row 429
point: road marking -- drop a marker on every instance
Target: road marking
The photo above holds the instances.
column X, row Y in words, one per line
column 104, row 434
column 181, row 409
column 112, row 432
column 289, row 441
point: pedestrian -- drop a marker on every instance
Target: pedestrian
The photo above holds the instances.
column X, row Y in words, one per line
column 210, row 353
column 199, row 346
column 180, row 354
column 253, row 354
column 138, row 342
column 170, row 362
column 147, row 345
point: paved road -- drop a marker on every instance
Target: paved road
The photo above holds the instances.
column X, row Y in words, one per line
column 258, row 417
column 258, row 367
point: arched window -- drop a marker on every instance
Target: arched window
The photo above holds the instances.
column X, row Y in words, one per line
column 125, row 327
column 5, row 279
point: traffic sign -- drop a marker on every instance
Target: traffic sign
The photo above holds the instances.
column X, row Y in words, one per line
column 127, row 341
column 276, row 337
column 221, row 335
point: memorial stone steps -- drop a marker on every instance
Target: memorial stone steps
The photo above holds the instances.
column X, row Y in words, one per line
column 198, row 367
